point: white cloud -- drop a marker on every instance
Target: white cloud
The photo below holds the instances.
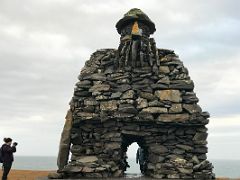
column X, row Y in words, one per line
column 44, row 45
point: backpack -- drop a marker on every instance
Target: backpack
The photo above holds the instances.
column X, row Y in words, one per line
column 1, row 155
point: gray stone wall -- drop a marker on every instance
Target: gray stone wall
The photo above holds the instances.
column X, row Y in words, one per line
column 153, row 105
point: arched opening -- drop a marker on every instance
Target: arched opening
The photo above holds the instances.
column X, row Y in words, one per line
column 131, row 159
column 134, row 150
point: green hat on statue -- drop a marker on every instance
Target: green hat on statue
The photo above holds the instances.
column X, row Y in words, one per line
column 135, row 15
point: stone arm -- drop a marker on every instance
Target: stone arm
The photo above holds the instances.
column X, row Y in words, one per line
column 65, row 142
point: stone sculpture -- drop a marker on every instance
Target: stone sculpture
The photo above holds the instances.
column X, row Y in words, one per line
column 136, row 93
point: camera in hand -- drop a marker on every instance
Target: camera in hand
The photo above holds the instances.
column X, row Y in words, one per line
column 15, row 143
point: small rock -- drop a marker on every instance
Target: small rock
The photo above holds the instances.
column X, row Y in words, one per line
column 155, row 103
column 173, row 117
column 184, row 147
column 185, row 171
column 154, row 110
column 112, row 146
column 169, row 95
column 108, row 105
column 148, row 96
column 100, row 88
column 158, row 149
column 86, row 169
column 175, row 108
column 141, row 103
column 128, row 94
column 192, row 108
column 164, row 69
column 200, row 136
column 182, row 84
column 116, row 95
column 55, row 175
column 127, row 108
column 87, row 159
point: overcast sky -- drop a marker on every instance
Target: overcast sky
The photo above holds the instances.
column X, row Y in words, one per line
column 44, row 44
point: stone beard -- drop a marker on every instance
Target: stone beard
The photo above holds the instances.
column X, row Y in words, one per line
column 136, row 49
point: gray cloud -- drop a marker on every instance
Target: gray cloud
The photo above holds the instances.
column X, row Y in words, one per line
column 44, row 44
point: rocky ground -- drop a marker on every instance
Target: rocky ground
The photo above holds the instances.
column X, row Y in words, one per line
column 41, row 175
column 26, row 174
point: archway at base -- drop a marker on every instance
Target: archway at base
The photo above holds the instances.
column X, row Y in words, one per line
column 131, row 159
column 133, row 146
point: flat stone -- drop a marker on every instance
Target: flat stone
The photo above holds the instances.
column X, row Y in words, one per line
column 182, row 84
column 165, row 80
column 200, row 136
column 178, row 151
column 184, row 147
column 145, row 116
column 164, row 69
column 154, row 110
column 87, row 159
column 156, row 158
column 205, row 114
column 160, row 86
column 175, row 108
column 148, row 96
column 173, row 176
column 173, row 117
column 201, row 165
column 192, row 108
column 123, row 115
column 90, row 102
column 141, row 103
column 127, row 108
column 169, row 95
column 123, row 87
column 158, row 149
column 111, row 135
column 96, row 76
column 93, row 175
column 195, row 159
column 128, row 94
column 87, row 115
column 101, row 97
column 100, row 88
column 155, row 103
column 202, row 149
column 118, row 173
column 190, row 97
column 116, row 95
column 73, row 169
column 55, row 175
column 136, row 133
column 185, row 171
column 112, row 146
column 82, row 93
column 87, row 169
column 75, row 149
column 108, row 105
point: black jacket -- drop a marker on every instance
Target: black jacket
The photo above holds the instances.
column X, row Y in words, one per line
column 7, row 153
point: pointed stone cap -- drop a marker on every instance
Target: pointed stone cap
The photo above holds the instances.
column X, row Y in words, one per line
column 135, row 15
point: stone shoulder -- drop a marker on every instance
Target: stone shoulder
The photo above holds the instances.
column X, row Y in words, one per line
column 98, row 59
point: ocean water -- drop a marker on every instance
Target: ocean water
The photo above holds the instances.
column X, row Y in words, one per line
column 222, row 168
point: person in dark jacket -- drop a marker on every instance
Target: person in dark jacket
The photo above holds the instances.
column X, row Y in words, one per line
column 140, row 158
column 7, row 156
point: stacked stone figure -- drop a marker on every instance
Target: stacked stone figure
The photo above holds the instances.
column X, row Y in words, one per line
column 136, row 93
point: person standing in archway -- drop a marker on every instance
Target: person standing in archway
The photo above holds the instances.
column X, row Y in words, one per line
column 140, row 159
column 7, row 156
